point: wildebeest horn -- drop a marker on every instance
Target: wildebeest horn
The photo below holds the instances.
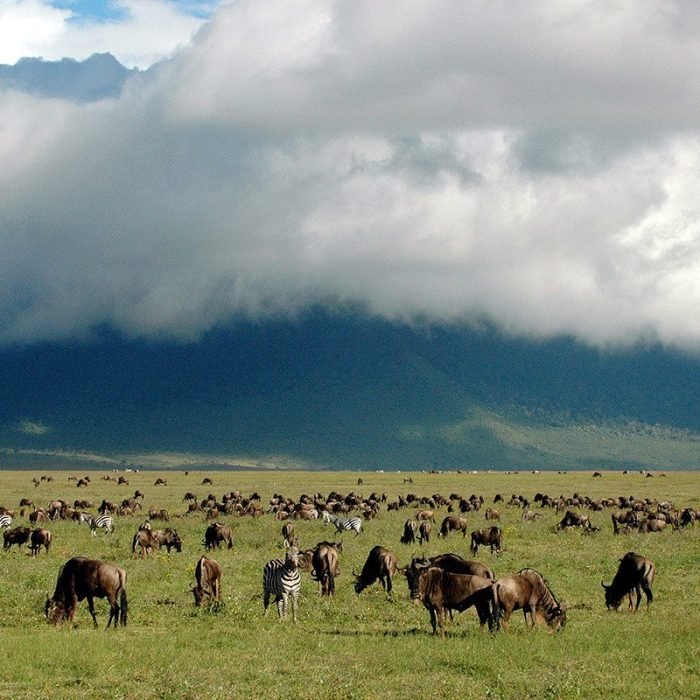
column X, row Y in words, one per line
column 355, row 574
column 603, row 585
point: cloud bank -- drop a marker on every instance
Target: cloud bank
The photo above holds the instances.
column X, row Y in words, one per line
column 533, row 163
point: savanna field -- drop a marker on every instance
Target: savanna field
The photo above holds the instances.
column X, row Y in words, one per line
column 353, row 646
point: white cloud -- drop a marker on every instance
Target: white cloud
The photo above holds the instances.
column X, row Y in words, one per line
column 536, row 163
column 145, row 32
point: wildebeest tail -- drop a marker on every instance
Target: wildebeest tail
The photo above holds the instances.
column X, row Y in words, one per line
column 495, row 606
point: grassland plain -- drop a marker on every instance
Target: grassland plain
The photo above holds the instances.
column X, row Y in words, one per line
column 353, row 646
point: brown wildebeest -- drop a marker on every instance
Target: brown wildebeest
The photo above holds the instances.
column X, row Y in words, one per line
column 630, row 518
column 527, row 591
column 39, row 538
column 288, row 534
column 424, row 530
column 168, row 538
column 453, row 523
column 448, row 562
column 572, row 519
column 17, row 535
column 158, row 514
column 207, row 574
column 217, row 533
column 82, row 578
column 160, row 482
column 145, row 540
column 410, row 527
column 425, row 515
column 324, row 561
column 441, row 591
column 380, row 565
column 189, row 496
column 492, row 514
column 488, row 537
column 652, row 525
column 635, row 573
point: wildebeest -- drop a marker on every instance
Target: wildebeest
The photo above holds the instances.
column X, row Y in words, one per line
column 17, row 535
column 572, row 519
column 441, row 590
column 82, row 578
column 324, row 561
column 217, row 533
column 207, row 574
column 488, row 537
column 453, row 523
column 448, row 562
column 410, row 528
column 492, row 514
column 145, row 540
column 527, row 591
column 635, row 573
column 424, row 530
column 168, row 538
column 380, row 565
column 38, row 539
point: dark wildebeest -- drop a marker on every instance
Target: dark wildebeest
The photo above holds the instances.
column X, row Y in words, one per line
column 82, row 578
column 217, row 533
column 410, row 527
column 652, row 525
column 492, row 514
column 448, row 562
column 442, row 591
column 207, row 574
column 324, row 561
column 527, row 591
column 17, row 535
column 38, row 539
column 572, row 519
column 453, row 523
column 168, row 538
column 424, row 530
column 145, row 540
column 488, row 537
column 380, row 565
column 635, row 573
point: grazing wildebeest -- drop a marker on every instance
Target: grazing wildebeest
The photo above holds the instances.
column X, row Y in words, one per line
column 410, row 527
column 217, row 533
column 448, row 562
column 168, row 538
column 324, row 561
column 425, row 515
column 39, row 538
column 492, row 514
column 453, row 523
column 82, row 578
column 17, row 535
column 527, row 591
column 380, row 565
column 631, row 518
column 652, row 525
column 424, row 530
column 488, row 537
column 441, row 591
column 207, row 574
column 572, row 519
column 635, row 573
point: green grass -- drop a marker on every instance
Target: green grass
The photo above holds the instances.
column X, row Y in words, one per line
column 353, row 646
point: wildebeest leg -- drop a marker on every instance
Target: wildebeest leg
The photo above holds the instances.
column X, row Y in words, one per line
column 91, row 606
column 441, row 620
column 113, row 613
column 433, row 619
column 638, row 590
column 647, row 591
column 629, row 596
column 389, row 587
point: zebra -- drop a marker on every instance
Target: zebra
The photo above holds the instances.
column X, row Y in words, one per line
column 343, row 523
column 283, row 580
column 5, row 520
column 103, row 521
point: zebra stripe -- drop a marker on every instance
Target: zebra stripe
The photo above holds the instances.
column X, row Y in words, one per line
column 101, row 521
column 282, row 580
column 343, row 523
column 5, row 520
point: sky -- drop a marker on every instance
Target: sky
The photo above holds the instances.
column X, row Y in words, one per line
column 532, row 163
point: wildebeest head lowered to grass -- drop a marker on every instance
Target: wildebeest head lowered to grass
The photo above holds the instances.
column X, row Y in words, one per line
column 635, row 573
column 380, row 565
column 82, row 578
column 527, row 591
column 207, row 575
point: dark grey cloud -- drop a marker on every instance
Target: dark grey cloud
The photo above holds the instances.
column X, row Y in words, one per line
column 535, row 163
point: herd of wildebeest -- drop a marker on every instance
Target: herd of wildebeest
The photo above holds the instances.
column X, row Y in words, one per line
column 443, row 583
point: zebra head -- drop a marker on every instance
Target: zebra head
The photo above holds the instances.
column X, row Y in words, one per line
column 291, row 558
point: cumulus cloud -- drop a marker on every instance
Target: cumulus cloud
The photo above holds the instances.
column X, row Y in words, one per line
column 140, row 33
column 532, row 163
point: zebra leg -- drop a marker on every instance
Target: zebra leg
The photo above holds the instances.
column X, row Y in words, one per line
column 282, row 606
column 266, row 602
column 295, row 601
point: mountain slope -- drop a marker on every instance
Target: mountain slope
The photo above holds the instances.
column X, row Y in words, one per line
column 346, row 391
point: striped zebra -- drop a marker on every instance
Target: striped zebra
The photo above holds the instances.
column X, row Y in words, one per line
column 343, row 523
column 5, row 520
column 101, row 521
column 282, row 579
